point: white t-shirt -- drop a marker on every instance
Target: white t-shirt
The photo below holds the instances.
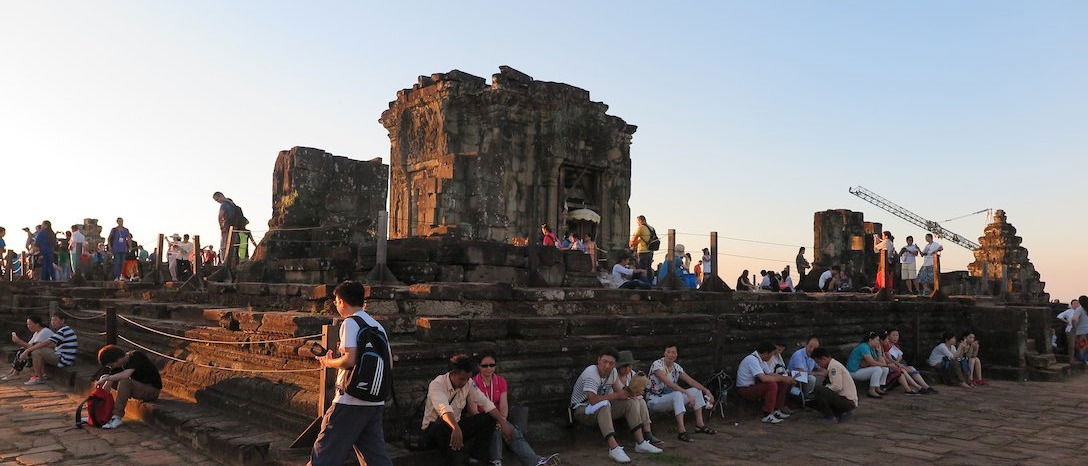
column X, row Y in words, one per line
column 707, row 266
column 1067, row 317
column 349, row 334
column 657, row 386
column 911, row 251
column 766, row 281
column 620, row 275
column 591, row 381
column 824, row 277
column 41, row 335
column 940, row 352
column 930, row 250
column 750, row 367
column 77, row 238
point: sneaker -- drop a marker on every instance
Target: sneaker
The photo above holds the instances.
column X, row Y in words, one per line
column 618, row 455
column 829, row 420
column 548, row 461
column 912, row 392
column 647, row 447
column 8, row 377
column 34, row 380
column 781, row 415
column 771, row 419
column 113, row 423
column 845, row 416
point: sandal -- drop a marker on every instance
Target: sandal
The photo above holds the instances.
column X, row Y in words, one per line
column 685, row 437
column 870, row 395
column 705, row 430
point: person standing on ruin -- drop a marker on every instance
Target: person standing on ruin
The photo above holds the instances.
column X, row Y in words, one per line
column 925, row 274
column 230, row 215
column 640, row 242
column 118, row 241
column 46, row 242
column 707, row 265
column 885, row 242
column 802, row 266
column 591, row 249
column 548, row 238
column 907, row 259
column 77, row 246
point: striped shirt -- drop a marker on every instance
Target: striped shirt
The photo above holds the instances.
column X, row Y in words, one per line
column 64, row 341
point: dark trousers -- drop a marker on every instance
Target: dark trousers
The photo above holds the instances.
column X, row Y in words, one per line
column 47, row 266
column 831, row 404
column 477, row 432
column 118, row 262
column 636, row 285
column 347, row 427
column 645, row 260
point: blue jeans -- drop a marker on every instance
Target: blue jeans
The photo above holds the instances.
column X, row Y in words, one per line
column 47, row 266
column 118, row 261
column 347, row 427
column 517, row 444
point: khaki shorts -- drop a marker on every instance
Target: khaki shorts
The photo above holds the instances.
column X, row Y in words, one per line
column 48, row 356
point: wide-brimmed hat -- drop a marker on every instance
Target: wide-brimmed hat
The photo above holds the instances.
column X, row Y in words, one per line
column 679, row 248
column 626, row 359
column 175, row 236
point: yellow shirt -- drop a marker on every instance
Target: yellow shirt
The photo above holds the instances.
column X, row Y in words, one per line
column 839, row 381
column 442, row 398
column 643, row 234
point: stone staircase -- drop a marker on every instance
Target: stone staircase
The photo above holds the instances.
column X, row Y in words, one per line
column 1044, row 367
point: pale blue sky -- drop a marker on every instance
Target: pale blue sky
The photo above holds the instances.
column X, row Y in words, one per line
column 751, row 115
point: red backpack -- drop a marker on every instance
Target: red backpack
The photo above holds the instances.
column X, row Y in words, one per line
column 99, row 408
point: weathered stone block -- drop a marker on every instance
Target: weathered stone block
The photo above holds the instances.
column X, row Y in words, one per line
column 451, row 273
column 537, row 327
column 488, row 329
column 495, row 274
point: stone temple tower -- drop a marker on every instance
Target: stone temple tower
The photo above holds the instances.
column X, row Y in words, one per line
column 1000, row 248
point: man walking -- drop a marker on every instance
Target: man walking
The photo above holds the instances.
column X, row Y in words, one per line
column 119, row 244
column 351, row 422
column 230, row 215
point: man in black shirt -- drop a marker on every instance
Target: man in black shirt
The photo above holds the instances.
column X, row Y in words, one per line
column 131, row 374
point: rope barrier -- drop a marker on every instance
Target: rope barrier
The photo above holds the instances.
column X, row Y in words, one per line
column 707, row 235
column 230, row 369
column 97, row 316
column 215, row 342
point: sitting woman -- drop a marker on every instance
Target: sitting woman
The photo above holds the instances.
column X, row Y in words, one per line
column 39, row 333
column 493, row 386
column 945, row 359
column 743, row 283
column 864, row 365
column 785, row 285
column 896, row 373
column 666, row 395
column 971, row 365
column 894, row 355
column 625, row 371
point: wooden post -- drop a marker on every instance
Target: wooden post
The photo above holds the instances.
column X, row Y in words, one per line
column 111, row 325
column 938, row 294
column 158, row 260
column 714, row 282
column 326, row 387
column 381, row 274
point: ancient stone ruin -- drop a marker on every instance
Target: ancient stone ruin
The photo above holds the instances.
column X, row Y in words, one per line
column 324, row 209
column 494, row 162
column 1002, row 253
column 843, row 237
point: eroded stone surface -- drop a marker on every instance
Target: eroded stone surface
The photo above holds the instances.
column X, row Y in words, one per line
column 1000, row 249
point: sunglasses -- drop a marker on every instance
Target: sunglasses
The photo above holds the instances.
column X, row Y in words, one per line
column 487, row 365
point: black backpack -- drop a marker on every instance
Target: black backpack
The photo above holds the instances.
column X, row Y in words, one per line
column 655, row 242
column 372, row 377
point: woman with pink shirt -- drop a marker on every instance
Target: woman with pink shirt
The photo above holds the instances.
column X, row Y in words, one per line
column 493, row 386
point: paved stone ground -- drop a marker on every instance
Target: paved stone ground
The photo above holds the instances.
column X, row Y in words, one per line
column 1005, row 423
column 36, row 427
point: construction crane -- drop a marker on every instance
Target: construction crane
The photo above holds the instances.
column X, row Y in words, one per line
column 899, row 211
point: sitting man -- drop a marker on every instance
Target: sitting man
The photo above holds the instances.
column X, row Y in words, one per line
column 59, row 350
column 598, row 399
column 624, row 277
column 829, row 280
column 666, row 394
column 755, row 382
column 803, row 361
column 838, row 399
column 443, row 425
column 131, row 374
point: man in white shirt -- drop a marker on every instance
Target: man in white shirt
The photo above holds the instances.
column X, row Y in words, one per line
column 76, row 246
column 755, row 383
column 828, row 279
column 909, row 271
column 350, row 422
column 624, row 277
column 925, row 275
column 598, row 399
column 707, row 265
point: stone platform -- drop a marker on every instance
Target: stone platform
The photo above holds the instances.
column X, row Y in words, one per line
column 543, row 338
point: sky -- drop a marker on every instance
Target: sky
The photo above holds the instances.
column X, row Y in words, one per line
column 751, row 115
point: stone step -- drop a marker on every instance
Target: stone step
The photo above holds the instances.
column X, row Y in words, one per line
column 1039, row 361
column 1055, row 373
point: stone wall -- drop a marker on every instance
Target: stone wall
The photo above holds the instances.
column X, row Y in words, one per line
column 843, row 237
column 494, row 162
column 324, row 209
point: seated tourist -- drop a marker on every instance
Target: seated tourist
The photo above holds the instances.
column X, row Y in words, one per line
column 945, row 358
column 743, row 283
column 493, row 386
column 596, row 401
column 665, row 394
column 895, row 373
column 755, row 383
column 893, row 354
column 777, row 365
column 445, row 427
column 623, row 277
column 803, row 361
column 131, row 375
column 829, row 279
column 39, row 333
column 838, row 399
column 58, row 350
column 845, row 285
column 785, row 284
column 864, row 365
column 625, row 371
column 971, row 365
